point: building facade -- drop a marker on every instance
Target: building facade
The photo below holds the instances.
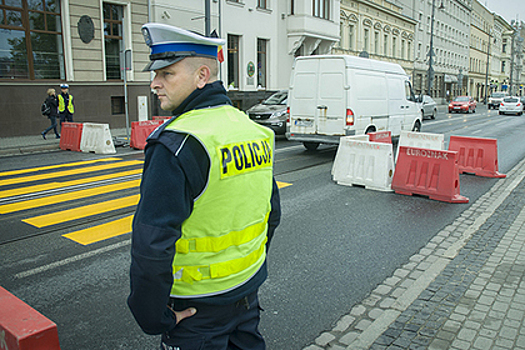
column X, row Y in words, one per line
column 88, row 44
column 82, row 43
column 445, row 23
column 499, row 59
column 376, row 29
column 262, row 38
column 481, row 32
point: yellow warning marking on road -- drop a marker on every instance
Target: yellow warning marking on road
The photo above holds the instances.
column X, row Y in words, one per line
column 76, row 171
column 56, row 185
column 281, row 184
column 114, row 228
column 58, row 166
column 102, row 232
column 60, row 217
column 65, row 197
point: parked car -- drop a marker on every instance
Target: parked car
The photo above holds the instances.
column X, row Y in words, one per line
column 495, row 99
column 465, row 104
column 428, row 107
column 271, row 112
column 511, row 105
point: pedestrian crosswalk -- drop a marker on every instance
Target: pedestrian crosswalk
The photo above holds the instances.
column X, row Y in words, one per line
column 76, row 195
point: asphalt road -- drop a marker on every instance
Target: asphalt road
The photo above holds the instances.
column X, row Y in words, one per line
column 335, row 244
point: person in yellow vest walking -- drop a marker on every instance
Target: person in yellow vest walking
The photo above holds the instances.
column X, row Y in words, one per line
column 208, row 209
column 66, row 107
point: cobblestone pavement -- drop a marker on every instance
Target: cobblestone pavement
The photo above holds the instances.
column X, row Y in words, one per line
column 464, row 290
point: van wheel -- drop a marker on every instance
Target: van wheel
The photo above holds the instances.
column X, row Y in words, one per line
column 417, row 127
column 311, row 146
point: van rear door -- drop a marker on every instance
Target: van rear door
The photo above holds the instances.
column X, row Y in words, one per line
column 302, row 97
column 396, row 103
column 331, row 98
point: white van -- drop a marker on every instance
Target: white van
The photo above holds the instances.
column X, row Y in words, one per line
column 339, row 95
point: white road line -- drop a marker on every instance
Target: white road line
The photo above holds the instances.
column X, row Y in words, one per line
column 75, row 258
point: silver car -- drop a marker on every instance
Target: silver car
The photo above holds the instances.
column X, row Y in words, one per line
column 271, row 112
column 428, row 107
column 495, row 99
column 511, row 105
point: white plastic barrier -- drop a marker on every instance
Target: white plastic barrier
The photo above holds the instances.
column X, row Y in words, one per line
column 421, row 140
column 363, row 163
column 364, row 137
column 97, row 138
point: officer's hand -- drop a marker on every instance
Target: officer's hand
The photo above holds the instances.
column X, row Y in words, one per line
column 180, row 315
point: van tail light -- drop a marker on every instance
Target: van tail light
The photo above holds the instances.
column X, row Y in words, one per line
column 288, row 115
column 349, row 117
column 501, row 104
column 519, row 104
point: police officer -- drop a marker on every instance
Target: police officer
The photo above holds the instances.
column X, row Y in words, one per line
column 66, row 107
column 208, row 209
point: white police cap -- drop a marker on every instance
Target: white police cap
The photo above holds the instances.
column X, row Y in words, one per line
column 171, row 44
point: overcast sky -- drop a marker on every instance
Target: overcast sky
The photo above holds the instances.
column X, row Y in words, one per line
column 507, row 9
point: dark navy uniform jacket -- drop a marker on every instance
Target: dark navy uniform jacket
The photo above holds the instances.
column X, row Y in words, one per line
column 175, row 172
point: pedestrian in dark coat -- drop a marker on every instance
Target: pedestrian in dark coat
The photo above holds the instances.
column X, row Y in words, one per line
column 52, row 102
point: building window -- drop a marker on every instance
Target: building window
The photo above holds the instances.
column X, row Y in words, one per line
column 321, row 8
column 503, row 67
column 262, row 4
column 31, row 45
column 366, row 40
column 351, row 37
column 233, row 61
column 376, row 43
column 261, row 62
column 402, row 49
column 504, row 46
column 394, row 53
column 117, row 105
column 292, row 7
column 113, row 43
column 385, row 45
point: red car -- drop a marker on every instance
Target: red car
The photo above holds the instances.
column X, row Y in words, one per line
column 465, row 104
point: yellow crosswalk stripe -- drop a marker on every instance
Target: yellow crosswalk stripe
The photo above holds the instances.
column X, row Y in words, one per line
column 78, row 171
column 114, row 228
column 281, row 184
column 63, row 216
column 58, row 166
column 65, row 197
column 57, row 185
column 102, row 232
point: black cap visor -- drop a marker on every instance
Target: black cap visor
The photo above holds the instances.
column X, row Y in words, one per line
column 164, row 59
column 162, row 63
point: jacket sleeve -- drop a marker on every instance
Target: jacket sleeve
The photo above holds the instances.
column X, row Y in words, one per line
column 275, row 214
column 166, row 201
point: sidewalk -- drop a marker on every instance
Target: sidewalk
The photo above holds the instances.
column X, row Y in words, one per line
column 464, row 290
column 11, row 146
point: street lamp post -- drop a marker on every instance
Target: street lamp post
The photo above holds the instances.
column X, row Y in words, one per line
column 487, row 69
column 431, row 51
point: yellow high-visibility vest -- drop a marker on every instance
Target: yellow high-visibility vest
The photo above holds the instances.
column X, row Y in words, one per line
column 223, row 241
column 62, row 104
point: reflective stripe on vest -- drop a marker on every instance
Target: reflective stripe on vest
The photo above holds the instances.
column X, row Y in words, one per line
column 223, row 242
column 62, row 104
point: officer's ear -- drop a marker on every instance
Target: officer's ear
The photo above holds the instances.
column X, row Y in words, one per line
column 202, row 76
